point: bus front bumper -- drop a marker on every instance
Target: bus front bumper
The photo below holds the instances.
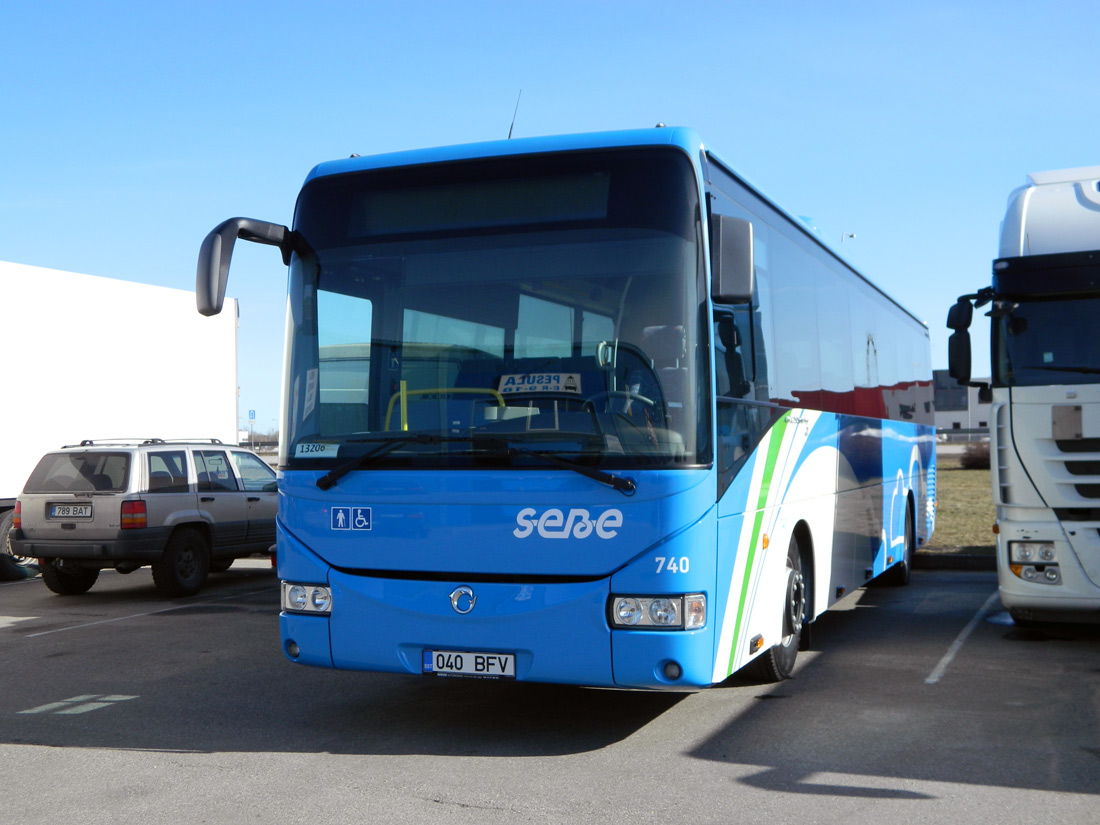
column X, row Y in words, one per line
column 552, row 633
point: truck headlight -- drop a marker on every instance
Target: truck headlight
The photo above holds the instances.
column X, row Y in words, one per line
column 307, row 598
column 1034, row 561
column 687, row 612
column 1032, row 552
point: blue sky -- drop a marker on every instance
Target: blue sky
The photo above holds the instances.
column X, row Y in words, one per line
column 132, row 129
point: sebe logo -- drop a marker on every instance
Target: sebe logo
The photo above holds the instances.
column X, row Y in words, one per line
column 554, row 524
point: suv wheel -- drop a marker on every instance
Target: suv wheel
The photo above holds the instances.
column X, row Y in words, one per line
column 66, row 580
column 182, row 569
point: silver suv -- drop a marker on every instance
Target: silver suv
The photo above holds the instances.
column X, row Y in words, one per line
column 184, row 507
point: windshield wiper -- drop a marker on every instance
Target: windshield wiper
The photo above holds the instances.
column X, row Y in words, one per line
column 332, row 476
column 623, row 485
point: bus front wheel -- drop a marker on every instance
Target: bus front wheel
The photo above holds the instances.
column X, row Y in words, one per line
column 777, row 663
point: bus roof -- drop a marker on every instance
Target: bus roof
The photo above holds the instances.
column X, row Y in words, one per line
column 685, row 138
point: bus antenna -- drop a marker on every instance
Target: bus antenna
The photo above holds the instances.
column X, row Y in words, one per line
column 513, row 124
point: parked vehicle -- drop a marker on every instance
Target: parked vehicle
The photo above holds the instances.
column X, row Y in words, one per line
column 102, row 355
column 584, row 409
column 184, row 507
column 1045, row 418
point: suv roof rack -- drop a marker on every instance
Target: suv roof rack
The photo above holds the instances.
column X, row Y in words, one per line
column 88, row 442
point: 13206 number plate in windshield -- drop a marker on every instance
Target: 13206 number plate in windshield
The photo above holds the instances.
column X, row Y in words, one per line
column 465, row 663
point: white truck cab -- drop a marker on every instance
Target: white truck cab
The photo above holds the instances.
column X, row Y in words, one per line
column 1044, row 303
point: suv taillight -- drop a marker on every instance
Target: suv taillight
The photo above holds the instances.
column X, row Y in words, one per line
column 133, row 515
column 17, row 519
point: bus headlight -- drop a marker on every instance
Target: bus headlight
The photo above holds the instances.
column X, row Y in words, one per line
column 688, row 612
column 307, row 598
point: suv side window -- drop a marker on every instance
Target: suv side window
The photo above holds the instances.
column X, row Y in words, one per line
column 168, row 472
column 256, row 475
column 214, row 471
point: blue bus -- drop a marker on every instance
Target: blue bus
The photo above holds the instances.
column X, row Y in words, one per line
column 580, row 409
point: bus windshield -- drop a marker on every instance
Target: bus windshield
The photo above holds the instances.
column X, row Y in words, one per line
column 510, row 311
column 1049, row 341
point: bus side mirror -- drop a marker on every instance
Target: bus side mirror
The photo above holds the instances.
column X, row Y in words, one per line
column 217, row 250
column 731, row 263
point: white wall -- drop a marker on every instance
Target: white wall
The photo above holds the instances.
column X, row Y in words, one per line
column 91, row 357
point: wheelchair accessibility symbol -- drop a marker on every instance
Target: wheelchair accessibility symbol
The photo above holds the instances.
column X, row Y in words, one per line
column 350, row 518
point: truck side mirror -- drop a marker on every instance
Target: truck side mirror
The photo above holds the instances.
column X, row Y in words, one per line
column 960, row 315
column 217, row 250
column 958, row 356
column 731, row 262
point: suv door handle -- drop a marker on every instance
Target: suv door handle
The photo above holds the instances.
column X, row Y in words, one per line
column 206, row 498
column 253, row 498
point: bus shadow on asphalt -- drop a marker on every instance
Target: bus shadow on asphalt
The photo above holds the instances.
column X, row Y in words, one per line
column 864, row 720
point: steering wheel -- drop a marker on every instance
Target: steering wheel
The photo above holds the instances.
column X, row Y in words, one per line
column 626, row 394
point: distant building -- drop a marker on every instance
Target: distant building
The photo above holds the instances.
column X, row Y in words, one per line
column 958, row 408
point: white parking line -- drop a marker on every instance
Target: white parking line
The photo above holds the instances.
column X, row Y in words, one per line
column 141, row 615
column 956, row 646
column 80, row 704
column 11, row 621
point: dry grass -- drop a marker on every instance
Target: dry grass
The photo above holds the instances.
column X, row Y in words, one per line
column 964, row 511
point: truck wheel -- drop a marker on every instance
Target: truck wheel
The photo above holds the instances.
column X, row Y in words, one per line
column 67, row 580
column 777, row 663
column 12, row 567
column 184, row 565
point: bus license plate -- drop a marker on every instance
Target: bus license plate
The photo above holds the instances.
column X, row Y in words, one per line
column 466, row 663
column 70, row 511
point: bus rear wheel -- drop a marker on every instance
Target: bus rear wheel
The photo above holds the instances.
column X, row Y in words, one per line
column 777, row 663
column 898, row 575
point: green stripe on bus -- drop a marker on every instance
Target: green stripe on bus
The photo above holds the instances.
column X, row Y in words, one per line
column 765, row 485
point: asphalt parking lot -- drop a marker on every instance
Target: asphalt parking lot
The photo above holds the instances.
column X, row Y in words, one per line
column 921, row 703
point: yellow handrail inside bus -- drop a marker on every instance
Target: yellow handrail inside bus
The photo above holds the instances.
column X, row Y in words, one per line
column 404, row 394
